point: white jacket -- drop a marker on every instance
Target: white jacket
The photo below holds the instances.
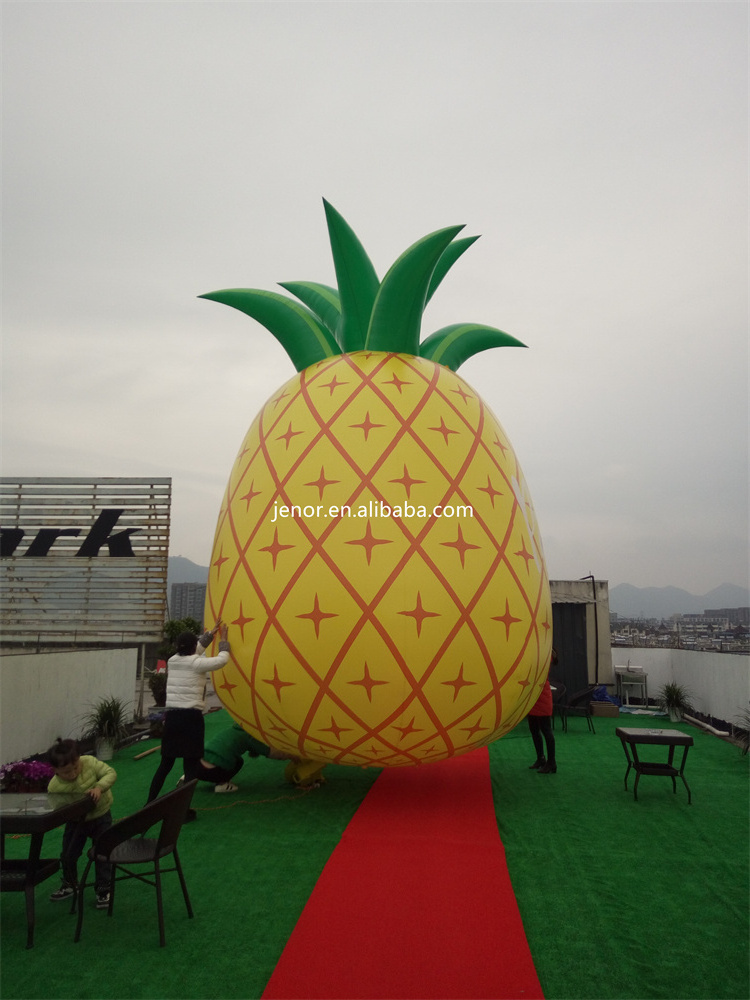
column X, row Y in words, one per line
column 186, row 675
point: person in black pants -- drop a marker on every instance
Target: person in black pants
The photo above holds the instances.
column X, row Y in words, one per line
column 184, row 726
column 540, row 724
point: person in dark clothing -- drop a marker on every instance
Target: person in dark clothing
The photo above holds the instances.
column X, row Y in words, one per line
column 540, row 724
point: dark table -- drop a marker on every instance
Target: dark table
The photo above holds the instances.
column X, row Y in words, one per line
column 671, row 738
column 34, row 813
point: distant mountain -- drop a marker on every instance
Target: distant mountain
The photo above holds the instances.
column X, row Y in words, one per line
column 662, row 602
column 181, row 570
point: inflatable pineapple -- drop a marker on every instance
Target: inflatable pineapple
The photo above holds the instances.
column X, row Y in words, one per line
column 377, row 553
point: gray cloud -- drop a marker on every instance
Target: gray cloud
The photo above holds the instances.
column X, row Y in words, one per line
column 156, row 151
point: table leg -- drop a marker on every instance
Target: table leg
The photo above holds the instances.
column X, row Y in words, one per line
column 682, row 774
column 35, row 852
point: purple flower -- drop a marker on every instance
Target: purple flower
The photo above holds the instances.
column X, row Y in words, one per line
column 28, row 770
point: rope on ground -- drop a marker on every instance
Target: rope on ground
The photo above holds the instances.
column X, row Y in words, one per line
column 300, row 793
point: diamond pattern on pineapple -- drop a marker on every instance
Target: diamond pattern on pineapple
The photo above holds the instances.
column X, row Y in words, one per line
column 383, row 633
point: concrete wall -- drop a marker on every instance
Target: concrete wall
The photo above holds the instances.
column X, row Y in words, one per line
column 719, row 683
column 45, row 695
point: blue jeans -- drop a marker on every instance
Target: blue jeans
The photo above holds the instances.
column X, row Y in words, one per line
column 75, row 836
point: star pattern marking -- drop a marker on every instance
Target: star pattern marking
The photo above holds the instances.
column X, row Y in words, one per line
column 288, row 435
column 367, row 425
column 507, row 619
column 321, row 482
column 459, row 682
column 369, row 541
column 444, row 430
column 419, row 614
column 276, row 683
column 490, row 490
column 368, row 682
column 316, row 616
column 524, row 554
column 242, row 621
column 276, row 547
column 335, row 729
column 407, row 482
column 461, row 545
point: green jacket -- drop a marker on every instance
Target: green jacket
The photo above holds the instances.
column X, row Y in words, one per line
column 93, row 772
column 226, row 748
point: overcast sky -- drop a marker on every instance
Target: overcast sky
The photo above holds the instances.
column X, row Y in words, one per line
column 155, row 151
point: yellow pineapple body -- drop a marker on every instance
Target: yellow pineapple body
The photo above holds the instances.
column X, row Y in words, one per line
column 362, row 637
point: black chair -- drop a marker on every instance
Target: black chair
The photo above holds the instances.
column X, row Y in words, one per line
column 558, row 704
column 125, row 845
column 580, row 704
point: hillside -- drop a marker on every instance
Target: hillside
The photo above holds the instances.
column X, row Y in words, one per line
column 662, row 602
column 182, row 570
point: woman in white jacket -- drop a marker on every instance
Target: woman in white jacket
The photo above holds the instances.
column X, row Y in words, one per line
column 184, row 726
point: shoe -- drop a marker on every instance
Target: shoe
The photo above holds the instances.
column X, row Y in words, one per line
column 64, row 892
column 180, row 783
column 548, row 768
column 539, row 762
column 227, row 786
column 102, row 900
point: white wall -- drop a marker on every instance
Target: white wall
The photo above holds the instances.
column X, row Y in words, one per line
column 719, row 683
column 44, row 695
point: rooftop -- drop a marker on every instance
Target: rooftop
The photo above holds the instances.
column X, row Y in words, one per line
column 619, row 898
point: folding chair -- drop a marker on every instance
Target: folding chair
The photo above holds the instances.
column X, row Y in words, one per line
column 580, row 704
column 125, row 845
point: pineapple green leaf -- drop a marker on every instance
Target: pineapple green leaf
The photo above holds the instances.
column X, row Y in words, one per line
column 324, row 301
column 299, row 332
column 454, row 344
column 449, row 257
column 400, row 301
column 357, row 280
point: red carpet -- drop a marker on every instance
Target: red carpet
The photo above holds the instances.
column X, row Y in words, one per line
column 415, row 903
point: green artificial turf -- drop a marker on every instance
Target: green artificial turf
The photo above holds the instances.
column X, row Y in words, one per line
column 623, row 898
column 619, row 898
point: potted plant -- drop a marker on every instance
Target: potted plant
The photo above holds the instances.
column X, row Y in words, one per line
column 106, row 723
column 157, row 682
column 675, row 700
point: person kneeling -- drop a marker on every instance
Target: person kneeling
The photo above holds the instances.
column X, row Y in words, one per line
column 223, row 757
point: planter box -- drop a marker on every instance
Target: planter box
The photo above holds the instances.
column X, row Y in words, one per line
column 605, row 708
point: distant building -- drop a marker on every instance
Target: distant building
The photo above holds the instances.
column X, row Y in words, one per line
column 735, row 616
column 188, row 601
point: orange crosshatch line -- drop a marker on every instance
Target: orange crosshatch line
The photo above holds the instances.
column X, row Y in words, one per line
column 415, row 546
